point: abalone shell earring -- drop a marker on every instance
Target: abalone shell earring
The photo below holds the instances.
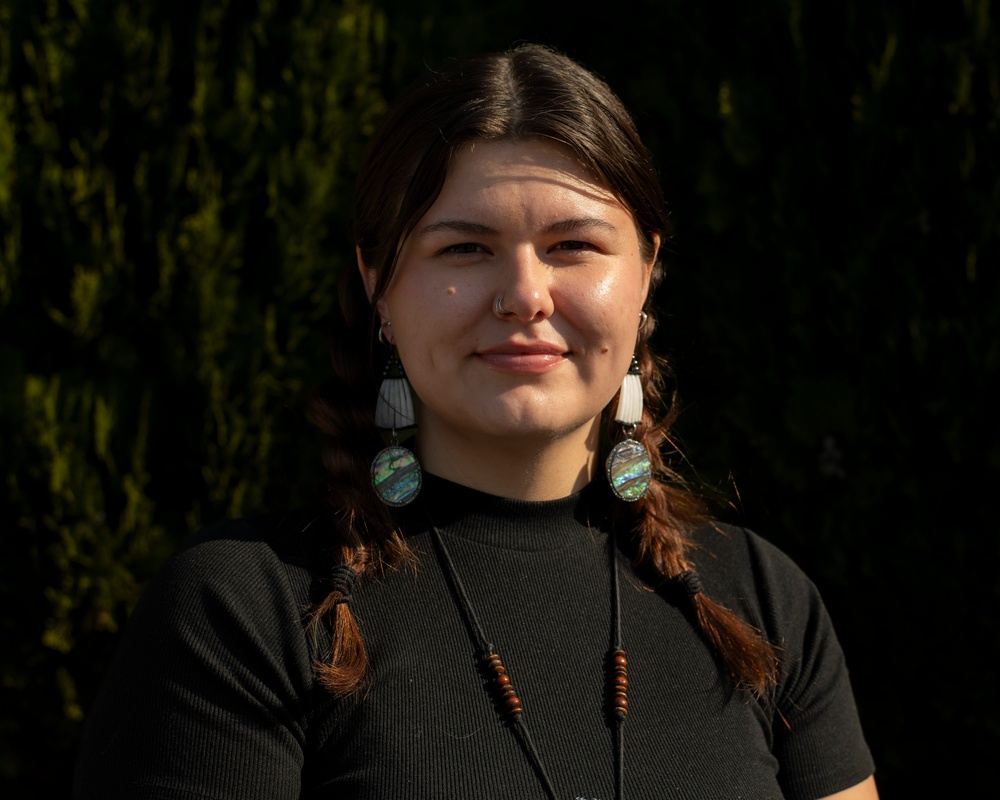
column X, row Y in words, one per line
column 628, row 466
column 396, row 475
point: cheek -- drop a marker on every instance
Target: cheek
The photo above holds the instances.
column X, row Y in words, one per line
column 607, row 290
column 613, row 305
column 428, row 314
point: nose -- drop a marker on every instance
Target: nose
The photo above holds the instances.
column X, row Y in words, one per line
column 526, row 288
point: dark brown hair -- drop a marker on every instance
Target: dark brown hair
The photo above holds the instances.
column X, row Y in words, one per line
column 529, row 93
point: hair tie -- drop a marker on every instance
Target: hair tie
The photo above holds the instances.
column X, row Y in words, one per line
column 691, row 582
column 344, row 579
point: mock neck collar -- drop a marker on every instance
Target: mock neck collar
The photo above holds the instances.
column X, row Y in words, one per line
column 506, row 523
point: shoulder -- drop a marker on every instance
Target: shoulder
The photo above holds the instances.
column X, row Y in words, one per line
column 232, row 603
column 819, row 741
column 267, row 567
column 295, row 544
column 217, row 657
column 735, row 562
column 760, row 582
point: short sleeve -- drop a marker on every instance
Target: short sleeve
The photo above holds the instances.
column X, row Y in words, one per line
column 816, row 732
column 205, row 696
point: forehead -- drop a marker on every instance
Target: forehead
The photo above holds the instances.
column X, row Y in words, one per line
column 488, row 171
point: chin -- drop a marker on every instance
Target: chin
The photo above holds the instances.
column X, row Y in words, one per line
column 537, row 423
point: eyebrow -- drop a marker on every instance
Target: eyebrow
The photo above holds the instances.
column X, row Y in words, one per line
column 459, row 226
column 580, row 224
column 478, row 229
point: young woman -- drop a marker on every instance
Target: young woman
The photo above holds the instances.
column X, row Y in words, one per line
column 520, row 600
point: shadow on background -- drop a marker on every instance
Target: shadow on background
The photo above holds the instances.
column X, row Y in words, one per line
column 174, row 182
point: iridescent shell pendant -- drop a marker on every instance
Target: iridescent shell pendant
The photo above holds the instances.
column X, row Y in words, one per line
column 629, row 470
column 396, row 475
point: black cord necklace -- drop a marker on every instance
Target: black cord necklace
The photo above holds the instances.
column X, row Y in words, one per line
column 509, row 704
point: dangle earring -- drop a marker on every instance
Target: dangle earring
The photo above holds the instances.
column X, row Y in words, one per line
column 396, row 475
column 628, row 466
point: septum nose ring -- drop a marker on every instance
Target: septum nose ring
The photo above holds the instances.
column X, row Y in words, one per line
column 499, row 310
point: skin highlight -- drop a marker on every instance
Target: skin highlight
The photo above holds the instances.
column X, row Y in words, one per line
column 522, row 220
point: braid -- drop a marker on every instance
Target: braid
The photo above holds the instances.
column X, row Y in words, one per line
column 528, row 93
column 342, row 408
column 661, row 519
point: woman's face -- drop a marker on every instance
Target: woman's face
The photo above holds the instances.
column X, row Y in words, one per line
column 523, row 221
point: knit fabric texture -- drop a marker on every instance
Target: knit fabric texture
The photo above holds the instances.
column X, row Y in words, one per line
column 213, row 695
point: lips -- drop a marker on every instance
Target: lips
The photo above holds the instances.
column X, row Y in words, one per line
column 527, row 359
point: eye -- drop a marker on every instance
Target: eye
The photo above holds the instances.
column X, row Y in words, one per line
column 573, row 244
column 465, row 248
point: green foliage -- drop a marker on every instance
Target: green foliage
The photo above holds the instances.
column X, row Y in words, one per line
column 174, row 181
column 173, row 188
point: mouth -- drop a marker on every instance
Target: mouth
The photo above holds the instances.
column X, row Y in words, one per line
column 525, row 359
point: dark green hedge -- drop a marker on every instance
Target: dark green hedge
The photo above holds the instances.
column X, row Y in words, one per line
column 173, row 187
column 173, row 180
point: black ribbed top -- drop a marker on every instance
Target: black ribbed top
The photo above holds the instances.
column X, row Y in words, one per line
column 213, row 694
column 501, row 522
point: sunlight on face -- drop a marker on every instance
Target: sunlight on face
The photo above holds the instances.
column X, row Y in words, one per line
column 525, row 222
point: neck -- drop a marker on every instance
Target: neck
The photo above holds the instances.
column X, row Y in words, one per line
column 509, row 467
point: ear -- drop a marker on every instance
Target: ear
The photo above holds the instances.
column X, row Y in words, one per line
column 648, row 268
column 369, row 278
